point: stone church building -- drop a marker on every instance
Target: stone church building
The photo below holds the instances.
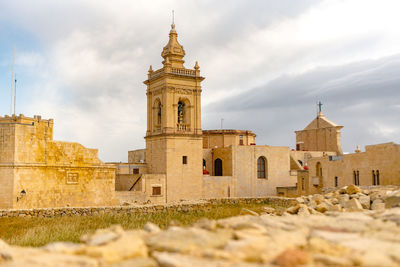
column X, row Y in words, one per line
column 181, row 161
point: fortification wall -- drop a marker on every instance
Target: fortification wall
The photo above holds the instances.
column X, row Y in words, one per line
column 52, row 186
column 37, row 172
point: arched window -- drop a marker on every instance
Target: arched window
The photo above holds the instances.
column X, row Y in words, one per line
column 261, row 167
column 157, row 107
column 375, row 177
column 159, row 113
column 318, row 170
column 218, row 167
column 181, row 112
column 356, row 177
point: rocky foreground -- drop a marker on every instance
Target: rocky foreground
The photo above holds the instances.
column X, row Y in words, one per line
column 347, row 227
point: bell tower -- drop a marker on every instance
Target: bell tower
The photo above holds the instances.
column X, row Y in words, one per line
column 174, row 135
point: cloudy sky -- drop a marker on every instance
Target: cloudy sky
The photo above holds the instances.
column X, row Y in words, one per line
column 266, row 65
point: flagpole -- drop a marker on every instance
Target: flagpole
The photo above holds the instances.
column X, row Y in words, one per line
column 12, row 83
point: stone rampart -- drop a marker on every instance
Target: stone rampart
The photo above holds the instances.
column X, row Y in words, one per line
column 181, row 207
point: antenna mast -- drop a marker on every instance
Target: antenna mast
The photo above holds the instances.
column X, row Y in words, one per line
column 15, row 92
column 12, row 82
column 173, row 17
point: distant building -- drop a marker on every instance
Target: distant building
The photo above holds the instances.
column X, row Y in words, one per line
column 320, row 135
column 378, row 165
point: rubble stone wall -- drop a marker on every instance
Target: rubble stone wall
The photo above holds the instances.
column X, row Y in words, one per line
column 90, row 211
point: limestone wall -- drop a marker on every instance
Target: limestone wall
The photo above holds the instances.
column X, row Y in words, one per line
column 219, row 187
column 156, row 154
column 225, row 154
column 137, row 156
column 225, row 138
column 52, row 186
column 184, row 181
column 384, row 158
column 91, row 211
column 149, row 181
column 6, row 187
column 287, row 191
column 240, row 162
column 144, row 191
column 126, row 175
column 7, row 143
column 36, row 171
column 277, row 170
column 302, row 157
column 130, row 197
column 123, row 182
column 320, row 135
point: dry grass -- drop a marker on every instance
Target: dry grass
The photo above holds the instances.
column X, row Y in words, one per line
column 24, row 231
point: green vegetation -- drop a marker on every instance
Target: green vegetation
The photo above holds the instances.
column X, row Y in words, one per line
column 25, row 231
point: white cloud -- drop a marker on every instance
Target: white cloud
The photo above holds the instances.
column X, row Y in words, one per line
column 96, row 54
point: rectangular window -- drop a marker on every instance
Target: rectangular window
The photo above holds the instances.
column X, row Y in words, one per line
column 336, row 182
column 136, row 171
column 72, row 178
column 303, row 184
column 241, row 140
column 184, row 160
column 156, row 191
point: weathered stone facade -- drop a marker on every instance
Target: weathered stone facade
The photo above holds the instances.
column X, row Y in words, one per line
column 36, row 171
column 248, row 178
column 378, row 165
column 320, row 135
column 174, row 136
column 225, row 138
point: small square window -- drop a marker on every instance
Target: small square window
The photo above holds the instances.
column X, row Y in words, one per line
column 156, row 191
column 72, row 178
column 136, row 171
column 184, row 159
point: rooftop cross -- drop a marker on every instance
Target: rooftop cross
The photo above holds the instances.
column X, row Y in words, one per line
column 319, row 107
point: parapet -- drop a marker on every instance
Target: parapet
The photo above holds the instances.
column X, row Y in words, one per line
column 228, row 131
column 227, row 137
column 384, row 146
column 21, row 119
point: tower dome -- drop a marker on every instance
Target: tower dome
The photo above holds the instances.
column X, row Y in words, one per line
column 173, row 50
